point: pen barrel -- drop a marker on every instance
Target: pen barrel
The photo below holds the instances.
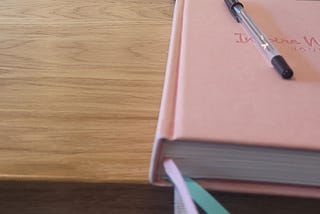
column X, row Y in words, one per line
column 260, row 38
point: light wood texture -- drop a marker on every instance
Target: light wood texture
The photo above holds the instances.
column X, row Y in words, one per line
column 80, row 87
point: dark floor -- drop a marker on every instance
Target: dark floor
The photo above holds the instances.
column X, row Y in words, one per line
column 87, row 198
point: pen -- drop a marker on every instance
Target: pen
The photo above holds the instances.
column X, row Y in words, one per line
column 238, row 12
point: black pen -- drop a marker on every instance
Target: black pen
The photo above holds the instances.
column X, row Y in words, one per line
column 238, row 12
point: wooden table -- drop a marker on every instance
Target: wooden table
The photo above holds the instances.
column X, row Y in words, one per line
column 80, row 88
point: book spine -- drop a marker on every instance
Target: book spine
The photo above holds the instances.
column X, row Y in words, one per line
column 165, row 126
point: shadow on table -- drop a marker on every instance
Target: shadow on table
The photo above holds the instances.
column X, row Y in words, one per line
column 35, row 197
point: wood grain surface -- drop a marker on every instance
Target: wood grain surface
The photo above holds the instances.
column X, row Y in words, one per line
column 80, row 87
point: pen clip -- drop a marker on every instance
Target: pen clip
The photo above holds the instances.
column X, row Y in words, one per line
column 231, row 4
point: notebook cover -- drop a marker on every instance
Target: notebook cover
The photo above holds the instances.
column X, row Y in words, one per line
column 219, row 88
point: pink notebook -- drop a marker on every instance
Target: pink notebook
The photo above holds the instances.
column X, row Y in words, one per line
column 227, row 118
